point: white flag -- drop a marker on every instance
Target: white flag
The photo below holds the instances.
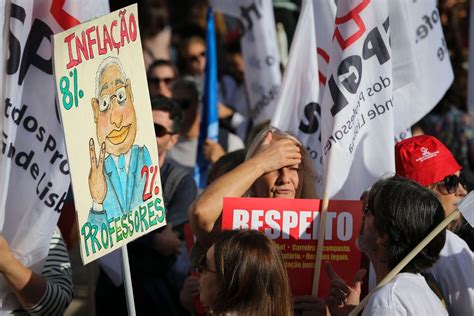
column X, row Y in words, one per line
column 298, row 108
column 357, row 107
column 34, row 161
column 422, row 69
column 260, row 53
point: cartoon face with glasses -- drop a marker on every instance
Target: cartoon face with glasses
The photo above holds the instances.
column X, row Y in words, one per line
column 115, row 181
column 114, row 111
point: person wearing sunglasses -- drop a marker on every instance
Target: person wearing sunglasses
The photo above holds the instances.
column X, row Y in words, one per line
column 427, row 161
column 161, row 75
column 243, row 274
column 186, row 94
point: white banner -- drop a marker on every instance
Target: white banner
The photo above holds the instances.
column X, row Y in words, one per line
column 357, row 107
column 34, row 158
column 260, row 52
column 298, row 108
column 422, row 71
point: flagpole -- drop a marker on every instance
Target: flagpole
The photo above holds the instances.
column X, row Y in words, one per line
column 319, row 248
column 407, row 259
column 322, row 228
column 128, row 282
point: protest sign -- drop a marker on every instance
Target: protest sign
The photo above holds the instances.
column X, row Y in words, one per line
column 260, row 52
column 106, row 113
column 34, row 168
column 293, row 225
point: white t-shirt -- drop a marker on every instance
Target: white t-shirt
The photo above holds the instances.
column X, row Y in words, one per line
column 454, row 275
column 406, row 294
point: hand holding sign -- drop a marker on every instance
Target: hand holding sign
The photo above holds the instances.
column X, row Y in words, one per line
column 342, row 298
column 97, row 184
column 276, row 154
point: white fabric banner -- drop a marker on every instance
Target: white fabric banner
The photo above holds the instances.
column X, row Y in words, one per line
column 34, row 158
column 298, row 107
column 470, row 84
column 357, row 107
column 422, row 71
column 4, row 17
column 260, row 53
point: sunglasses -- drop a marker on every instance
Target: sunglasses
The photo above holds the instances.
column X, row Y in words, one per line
column 161, row 131
column 184, row 104
column 195, row 58
column 202, row 265
column 156, row 80
column 450, row 184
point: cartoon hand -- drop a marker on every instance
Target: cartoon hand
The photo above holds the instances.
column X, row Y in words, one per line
column 97, row 184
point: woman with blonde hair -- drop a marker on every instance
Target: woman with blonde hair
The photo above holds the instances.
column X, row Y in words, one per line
column 276, row 166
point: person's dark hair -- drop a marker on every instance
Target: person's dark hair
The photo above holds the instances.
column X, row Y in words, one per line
column 252, row 278
column 226, row 163
column 185, row 90
column 153, row 15
column 234, row 47
column 159, row 63
column 162, row 103
column 406, row 212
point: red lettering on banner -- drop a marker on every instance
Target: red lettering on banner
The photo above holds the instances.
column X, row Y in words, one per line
column 354, row 15
column 325, row 56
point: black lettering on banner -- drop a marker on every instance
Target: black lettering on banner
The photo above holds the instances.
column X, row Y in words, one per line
column 374, row 45
column 26, row 159
column 429, row 21
column 245, row 15
column 39, row 31
column 14, row 46
column 351, row 82
column 311, row 111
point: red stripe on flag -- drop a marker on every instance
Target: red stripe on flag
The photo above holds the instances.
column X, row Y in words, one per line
column 321, row 52
column 354, row 15
column 62, row 17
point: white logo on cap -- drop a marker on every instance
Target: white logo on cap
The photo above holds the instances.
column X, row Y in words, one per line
column 426, row 154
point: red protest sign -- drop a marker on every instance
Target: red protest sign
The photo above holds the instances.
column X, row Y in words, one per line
column 293, row 224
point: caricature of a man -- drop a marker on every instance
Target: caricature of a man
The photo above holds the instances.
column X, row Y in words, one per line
column 115, row 181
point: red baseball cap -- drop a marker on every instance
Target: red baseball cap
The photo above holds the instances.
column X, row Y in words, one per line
column 424, row 159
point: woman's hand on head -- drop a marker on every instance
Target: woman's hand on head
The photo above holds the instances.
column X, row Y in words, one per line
column 276, row 154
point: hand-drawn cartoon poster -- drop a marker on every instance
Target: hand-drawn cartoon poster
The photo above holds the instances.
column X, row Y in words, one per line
column 106, row 114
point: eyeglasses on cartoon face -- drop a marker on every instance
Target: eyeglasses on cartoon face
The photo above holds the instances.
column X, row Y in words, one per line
column 106, row 99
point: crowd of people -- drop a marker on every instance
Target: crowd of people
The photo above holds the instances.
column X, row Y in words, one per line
column 243, row 272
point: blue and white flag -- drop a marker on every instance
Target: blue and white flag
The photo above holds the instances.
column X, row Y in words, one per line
column 209, row 128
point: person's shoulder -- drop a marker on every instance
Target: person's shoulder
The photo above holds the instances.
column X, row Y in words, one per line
column 235, row 142
column 455, row 245
column 172, row 168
